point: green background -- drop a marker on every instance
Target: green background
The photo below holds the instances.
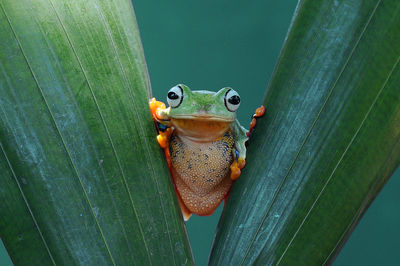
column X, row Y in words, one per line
column 212, row 44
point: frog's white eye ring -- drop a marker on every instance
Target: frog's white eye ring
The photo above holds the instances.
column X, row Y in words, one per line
column 232, row 100
column 175, row 96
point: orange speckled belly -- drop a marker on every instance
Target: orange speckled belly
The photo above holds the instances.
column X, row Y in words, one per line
column 201, row 171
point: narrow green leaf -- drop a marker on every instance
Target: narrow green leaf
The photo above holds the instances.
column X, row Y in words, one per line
column 329, row 141
column 82, row 180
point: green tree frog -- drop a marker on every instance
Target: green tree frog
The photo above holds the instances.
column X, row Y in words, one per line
column 204, row 144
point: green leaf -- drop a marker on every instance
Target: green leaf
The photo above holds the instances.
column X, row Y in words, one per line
column 82, row 179
column 329, row 141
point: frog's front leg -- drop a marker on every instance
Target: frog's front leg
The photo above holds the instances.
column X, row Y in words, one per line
column 241, row 137
column 240, row 145
column 160, row 115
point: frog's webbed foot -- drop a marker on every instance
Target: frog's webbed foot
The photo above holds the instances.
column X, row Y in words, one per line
column 158, row 112
column 237, row 165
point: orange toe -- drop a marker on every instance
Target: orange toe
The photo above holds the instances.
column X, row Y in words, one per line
column 155, row 107
column 260, row 111
column 235, row 171
column 152, row 105
column 241, row 163
column 253, row 123
column 162, row 141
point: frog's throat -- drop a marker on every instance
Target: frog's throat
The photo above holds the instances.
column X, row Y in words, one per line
column 200, row 130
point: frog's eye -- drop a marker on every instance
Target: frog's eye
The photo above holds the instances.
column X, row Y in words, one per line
column 175, row 96
column 232, row 100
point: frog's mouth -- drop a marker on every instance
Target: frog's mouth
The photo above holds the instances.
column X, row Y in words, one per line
column 205, row 117
column 201, row 128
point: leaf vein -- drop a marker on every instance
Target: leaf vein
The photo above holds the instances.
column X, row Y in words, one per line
column 312, row 126
column 356, row 215
column 102, row 119
column 135, row 112
column 61, row 137
column 27, row 204
column 341, row 158
column 105, row 128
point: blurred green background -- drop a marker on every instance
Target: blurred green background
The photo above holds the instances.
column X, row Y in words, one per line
column 211, row 44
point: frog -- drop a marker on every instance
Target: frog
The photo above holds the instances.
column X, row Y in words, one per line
column 204, row 144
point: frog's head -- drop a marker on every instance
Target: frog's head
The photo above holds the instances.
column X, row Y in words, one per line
column 203, row 105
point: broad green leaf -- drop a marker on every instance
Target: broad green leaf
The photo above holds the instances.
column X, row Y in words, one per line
column 82, row 180
column 329, row 141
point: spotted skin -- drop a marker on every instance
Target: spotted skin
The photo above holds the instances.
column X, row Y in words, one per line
column 201, row 171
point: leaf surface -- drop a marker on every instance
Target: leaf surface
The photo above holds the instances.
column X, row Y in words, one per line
column 329, row 141
column 82, row 179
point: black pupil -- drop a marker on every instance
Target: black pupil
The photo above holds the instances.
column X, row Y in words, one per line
column 172, row 95
column 235, row 99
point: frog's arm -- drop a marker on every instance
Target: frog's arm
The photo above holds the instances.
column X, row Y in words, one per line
column 241, row 137
column 240, row 140
column 240, row 149
column 160, row 115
